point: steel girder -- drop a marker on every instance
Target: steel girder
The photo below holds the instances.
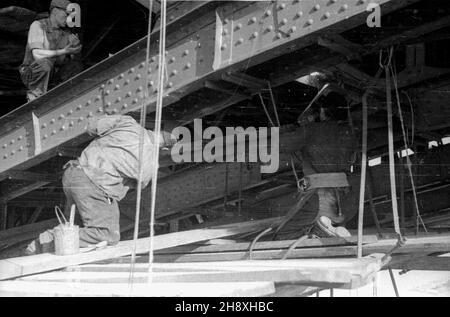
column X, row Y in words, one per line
column 204, row 43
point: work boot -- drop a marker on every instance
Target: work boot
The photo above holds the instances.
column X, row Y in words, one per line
column 323, row 228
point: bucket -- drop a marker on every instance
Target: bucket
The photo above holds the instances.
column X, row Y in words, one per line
column 66, row 235
column 67, row 239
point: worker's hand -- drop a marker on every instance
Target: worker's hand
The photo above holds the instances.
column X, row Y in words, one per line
column 69, row 49
column 37, row 68
column 74, row 40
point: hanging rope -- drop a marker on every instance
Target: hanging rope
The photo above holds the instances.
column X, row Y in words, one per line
column 141, row 149
column 159, row 103
column 408, row 160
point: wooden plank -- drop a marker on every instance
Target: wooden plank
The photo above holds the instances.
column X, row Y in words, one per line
column 265, row 245
column 424, row 245
column 52, row 289
column 15, row 267
column 422, row 263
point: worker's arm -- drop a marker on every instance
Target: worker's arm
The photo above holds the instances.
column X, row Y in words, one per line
column 99, row 126
column 36, row 40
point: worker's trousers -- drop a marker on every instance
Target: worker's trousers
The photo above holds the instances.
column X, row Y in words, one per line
column 43, row 74
column 99, row 214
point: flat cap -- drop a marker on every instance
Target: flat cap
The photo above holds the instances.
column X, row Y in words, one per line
column 61, row 4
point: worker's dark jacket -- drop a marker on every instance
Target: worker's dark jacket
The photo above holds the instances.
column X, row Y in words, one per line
column 111, row 160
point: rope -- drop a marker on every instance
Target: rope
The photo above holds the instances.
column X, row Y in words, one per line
column 408, row 160
column 273, row 103
column 159, row 103
column 141, row 151
column 391, row 144
column 265, row 109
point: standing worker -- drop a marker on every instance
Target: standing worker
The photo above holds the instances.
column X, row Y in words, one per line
column 102, row 176
column 327, row 151
column 50, row 52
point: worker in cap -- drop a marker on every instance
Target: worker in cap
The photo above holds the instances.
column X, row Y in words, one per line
column 50, row 54
column 106, row 170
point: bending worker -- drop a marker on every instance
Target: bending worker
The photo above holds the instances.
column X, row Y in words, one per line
column 102, row 176
column 326, row 149
column 49, row 55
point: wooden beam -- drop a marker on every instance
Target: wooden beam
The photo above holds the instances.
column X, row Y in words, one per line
column 32, row 176
column 15, row 267
column 422, row 263
column 3, row 216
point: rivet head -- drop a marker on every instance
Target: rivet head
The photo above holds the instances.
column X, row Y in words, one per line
column 150, row 83
column 90, row 115
column 240, row 41
column 128, row 94
column 253, row 20
column 293, row 29
column 283, row 21
column 100, row 110
column 121, row 76
column 118, row 99
column 5, row 156
column 281, row 6
column 79, row 107
column 225, row 32
column 299, row 14
column 186, row 52
column 20, row 138
column 141, row 65
column 223, row 47
column 278, row 36
column 45, row 137
column 138, row 76
column 310, row 22
column 13, row 152
column 71, row 124
column 317, row 7
column 81, row 119
column 43, row 126
column 172, row 59
column 52, row 121
column 102, row 87
column 88, row 103
column 255, row 34
column 170, row 85
column 345, row 7
column 63, row 128
column 238, row 26
column 110, row 81
column 70, row 112
column 268, row 13
column 199, row 45
column 127, row 82
column 135, row 101
column 21, row 149
column 108, row 104
column 12, row 142
column 115, row 111
column 327, row 15
column 153, row 59
column 132, row 70
column 62, row 116
column 125, row 106
column 174, row 72
column 188, row 65
column 117, row 87
column 269, row 28
column 139, row 89
column 98, row 97
column 5, row 146
column 53, row 132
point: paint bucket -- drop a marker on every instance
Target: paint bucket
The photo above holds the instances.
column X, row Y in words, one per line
column 66, row 235
column 67, row 239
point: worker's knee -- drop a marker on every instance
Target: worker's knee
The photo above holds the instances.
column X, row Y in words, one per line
column 113, row 237
column 45, row 65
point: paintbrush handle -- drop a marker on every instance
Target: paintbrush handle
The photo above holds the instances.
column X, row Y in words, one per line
column 72, row 215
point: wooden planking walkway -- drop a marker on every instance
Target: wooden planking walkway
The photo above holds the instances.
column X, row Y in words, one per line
column 14, row 267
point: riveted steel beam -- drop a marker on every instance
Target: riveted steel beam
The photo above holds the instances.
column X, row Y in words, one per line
column 253, row 35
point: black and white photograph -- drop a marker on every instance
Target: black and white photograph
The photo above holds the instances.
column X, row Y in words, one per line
column 225, row 154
